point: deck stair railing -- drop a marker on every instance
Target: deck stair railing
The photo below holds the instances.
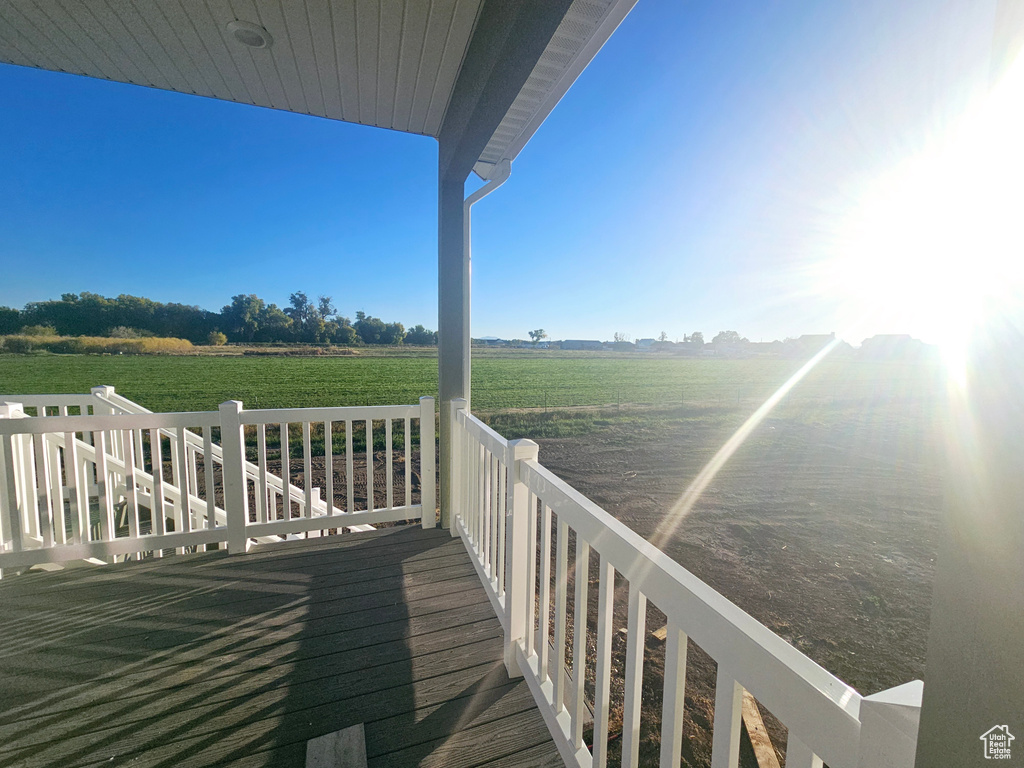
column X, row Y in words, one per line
column 519, row 522
column 97, row 476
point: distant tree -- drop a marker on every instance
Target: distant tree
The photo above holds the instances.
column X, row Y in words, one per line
column 370, row 329
column 728, row 337
column 274, row 325
column 216, row 339
column 303, row 315
column 10, row 320
column 537, row 335
column 663, row 336
column 393, row 333
column 39, row 330
column 694, row 338
column 620, row 336
column 421, row 337
column 242, row 317
column 325, row 309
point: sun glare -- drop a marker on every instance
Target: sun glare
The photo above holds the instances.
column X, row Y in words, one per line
column 937, row 242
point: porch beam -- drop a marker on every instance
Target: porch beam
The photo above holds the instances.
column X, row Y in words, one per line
column 508, row 40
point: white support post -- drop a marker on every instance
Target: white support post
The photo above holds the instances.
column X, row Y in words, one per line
column 103, row 393
column 725, row 734
column 428, row 464
column 236, row 500
column 458, row 469
column 888, row 726
column 517, row 556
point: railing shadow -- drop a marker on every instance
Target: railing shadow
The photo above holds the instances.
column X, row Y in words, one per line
column 210, row 659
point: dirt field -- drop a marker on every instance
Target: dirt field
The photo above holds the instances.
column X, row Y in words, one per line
column 823, row 526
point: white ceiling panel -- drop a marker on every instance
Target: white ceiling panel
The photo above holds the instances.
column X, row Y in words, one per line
column 388, row 63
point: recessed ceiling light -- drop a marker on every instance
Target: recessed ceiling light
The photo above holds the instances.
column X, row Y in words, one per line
column 252, row 35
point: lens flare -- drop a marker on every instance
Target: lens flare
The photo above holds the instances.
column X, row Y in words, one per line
column 667, row 528
column 936, row 243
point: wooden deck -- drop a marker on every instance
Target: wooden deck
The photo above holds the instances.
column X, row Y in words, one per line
column 206, row 659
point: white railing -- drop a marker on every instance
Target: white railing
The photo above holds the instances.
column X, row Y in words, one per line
column 518, row 520
column 116, row 480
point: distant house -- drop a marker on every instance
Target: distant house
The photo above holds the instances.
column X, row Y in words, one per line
column 894, row 346
column 622, row 346
column 580, row 344
column 645, row 343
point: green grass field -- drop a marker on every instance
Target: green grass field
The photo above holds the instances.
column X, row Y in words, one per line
column 535, row 380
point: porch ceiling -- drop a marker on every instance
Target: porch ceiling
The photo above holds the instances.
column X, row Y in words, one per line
column 386, row 63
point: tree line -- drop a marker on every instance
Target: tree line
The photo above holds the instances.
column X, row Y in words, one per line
column 248, row 319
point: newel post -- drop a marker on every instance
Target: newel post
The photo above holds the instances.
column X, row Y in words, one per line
column 458, row 468
column 517, row 554
column 236, row 497
column 428, row 465
column 888, row 726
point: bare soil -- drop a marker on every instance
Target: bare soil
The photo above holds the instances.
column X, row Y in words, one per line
column 823, row 526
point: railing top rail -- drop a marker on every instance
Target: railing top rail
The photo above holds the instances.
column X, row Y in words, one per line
column 119, row 401
column 339, row 413
column 35, row 401
column 494, row 442
column 775, row 672
column 107, row 422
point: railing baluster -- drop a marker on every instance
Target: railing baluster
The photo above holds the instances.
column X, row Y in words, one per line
column 389, row 493
column 105, row 492
column 799, row 755
column 211, row 495
column 350, row 493
column 56, row 490
column 46, row 500
column 181, row 477
column 603, row 664
column 561, row 595
column 286, row 472
column 369, row 465
column 725, row 737
column 407, row 448
column 156, row 452
column 13, row 534
column 673, row 696
column 636, row 628
column 29, row 483
column 131, row 484
column 579, row 639
column 307, row 469
column 79, row 517
column 544, row 621
column 261, row 462
column 329, row 464
column 500, row 525
column 193, row 473
column 531, row 573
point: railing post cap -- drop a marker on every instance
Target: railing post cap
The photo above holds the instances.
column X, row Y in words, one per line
column 905, row 695
column 459, row 402
column 523, row 448
column 103, row 390
column 426, row 399
column 11, row 410
column 233, row 406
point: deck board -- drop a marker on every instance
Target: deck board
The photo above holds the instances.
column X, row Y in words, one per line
column 206, row 659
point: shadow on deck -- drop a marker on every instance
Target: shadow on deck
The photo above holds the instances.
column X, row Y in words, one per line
column 215, row 660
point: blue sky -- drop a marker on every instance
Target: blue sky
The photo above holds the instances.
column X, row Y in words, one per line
column 694, row 178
